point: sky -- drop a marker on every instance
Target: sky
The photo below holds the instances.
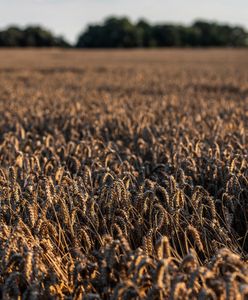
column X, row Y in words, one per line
column 70, row 17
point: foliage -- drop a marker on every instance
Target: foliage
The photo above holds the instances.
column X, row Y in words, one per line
column 120, row 32
column 32, row 36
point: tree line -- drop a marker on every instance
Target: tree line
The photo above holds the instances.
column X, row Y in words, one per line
column 122, row 33
column 32, row 36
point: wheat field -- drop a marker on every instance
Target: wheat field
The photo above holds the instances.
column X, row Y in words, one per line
column 124, row 174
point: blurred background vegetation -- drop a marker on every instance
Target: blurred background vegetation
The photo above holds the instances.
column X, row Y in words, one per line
column 33, row 36
column 122, row 33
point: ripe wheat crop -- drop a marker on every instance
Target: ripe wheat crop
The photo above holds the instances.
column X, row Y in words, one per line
column 123, row 174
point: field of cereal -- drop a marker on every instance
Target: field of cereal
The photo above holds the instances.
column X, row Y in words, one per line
column 124, row 174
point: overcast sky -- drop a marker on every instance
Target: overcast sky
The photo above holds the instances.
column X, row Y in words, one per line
column 69, row 17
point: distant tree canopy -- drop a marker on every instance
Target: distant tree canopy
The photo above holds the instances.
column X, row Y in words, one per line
column 121, row 33
column 33, row 36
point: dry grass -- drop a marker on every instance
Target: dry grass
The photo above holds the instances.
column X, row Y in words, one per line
column 123, row 175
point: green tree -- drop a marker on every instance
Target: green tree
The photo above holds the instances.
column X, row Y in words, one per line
column 33, row 36
column 121, row 33
column 114, row 33
column 11, row 37
column 145, row 34
column 167, row 35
